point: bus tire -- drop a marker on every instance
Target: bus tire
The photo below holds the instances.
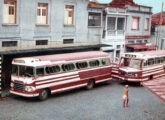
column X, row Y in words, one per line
column 43, row 95
column 90, row 84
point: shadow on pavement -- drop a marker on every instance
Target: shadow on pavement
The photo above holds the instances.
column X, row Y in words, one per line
column 62, row 94
column 77, row 91
column 132, row 84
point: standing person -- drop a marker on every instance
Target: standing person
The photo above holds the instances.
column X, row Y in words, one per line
column 125, row 97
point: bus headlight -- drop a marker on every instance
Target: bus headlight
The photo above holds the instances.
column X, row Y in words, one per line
column 132, row 74
column 12, row 85
column 29, row 88
column 136, row 75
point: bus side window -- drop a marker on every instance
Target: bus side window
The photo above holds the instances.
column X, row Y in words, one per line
column 151, row 61
column 85, row 64
column 105, row 61
column 71, row 66
column 80, row 65
column 40, row 71
column 157, row 60
column 15, row 69
column 145, row 63
column 161, row 60
column 94, row 63
column 56, row 69
column 164, row 59
column 49, row 70
column 68, row 67
column 64, row 68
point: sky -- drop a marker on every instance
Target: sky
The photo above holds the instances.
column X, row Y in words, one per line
column 155, row 4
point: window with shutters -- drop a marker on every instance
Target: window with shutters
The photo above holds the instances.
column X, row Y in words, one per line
column 147, row 24
column 115, row 26
column 135, row 23
column 42, row 14
column 69, row 15
column 9, row 12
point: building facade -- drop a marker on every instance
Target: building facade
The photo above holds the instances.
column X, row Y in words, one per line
column 158, row 30
column 125, row 24
column 28, row 24
column 138, row 29
column 115, row 28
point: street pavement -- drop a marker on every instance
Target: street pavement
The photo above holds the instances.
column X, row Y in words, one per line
column 104, row 102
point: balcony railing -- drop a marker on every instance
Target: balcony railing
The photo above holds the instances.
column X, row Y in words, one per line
column 115, row 32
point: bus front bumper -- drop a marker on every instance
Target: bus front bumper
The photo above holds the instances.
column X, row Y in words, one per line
column 24, row 94
column 129, row 79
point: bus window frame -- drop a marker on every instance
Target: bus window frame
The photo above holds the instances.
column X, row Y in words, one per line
column 18, row 70
column 80, row 62
column 162, row 60
column 51, row 66
column 106, row 60
column 149, row 61
column 158, row 60
column 92, row 63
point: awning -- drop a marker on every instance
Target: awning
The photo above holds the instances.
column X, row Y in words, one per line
column 142, row 46
column 157, row 86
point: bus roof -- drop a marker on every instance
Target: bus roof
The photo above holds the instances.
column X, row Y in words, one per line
column 57, row 58
column 146, row 54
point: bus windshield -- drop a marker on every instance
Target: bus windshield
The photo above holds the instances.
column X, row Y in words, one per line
column 22, row 71
column 125, row 62
column 134, row 63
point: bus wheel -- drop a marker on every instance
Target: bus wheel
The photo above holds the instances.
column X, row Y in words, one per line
column 90, row 84
column 43, row 95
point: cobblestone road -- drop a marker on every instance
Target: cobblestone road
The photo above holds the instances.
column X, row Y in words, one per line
column 104, row 102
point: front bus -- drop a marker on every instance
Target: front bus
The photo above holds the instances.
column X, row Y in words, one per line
column 22, row 80
column 130, row 68
column 48, row 74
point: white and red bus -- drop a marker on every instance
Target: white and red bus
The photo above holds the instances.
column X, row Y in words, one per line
column 48, row 74
column 140, row 66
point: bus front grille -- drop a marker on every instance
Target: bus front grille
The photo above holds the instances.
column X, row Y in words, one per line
column 19, row 86
column 122, row 73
